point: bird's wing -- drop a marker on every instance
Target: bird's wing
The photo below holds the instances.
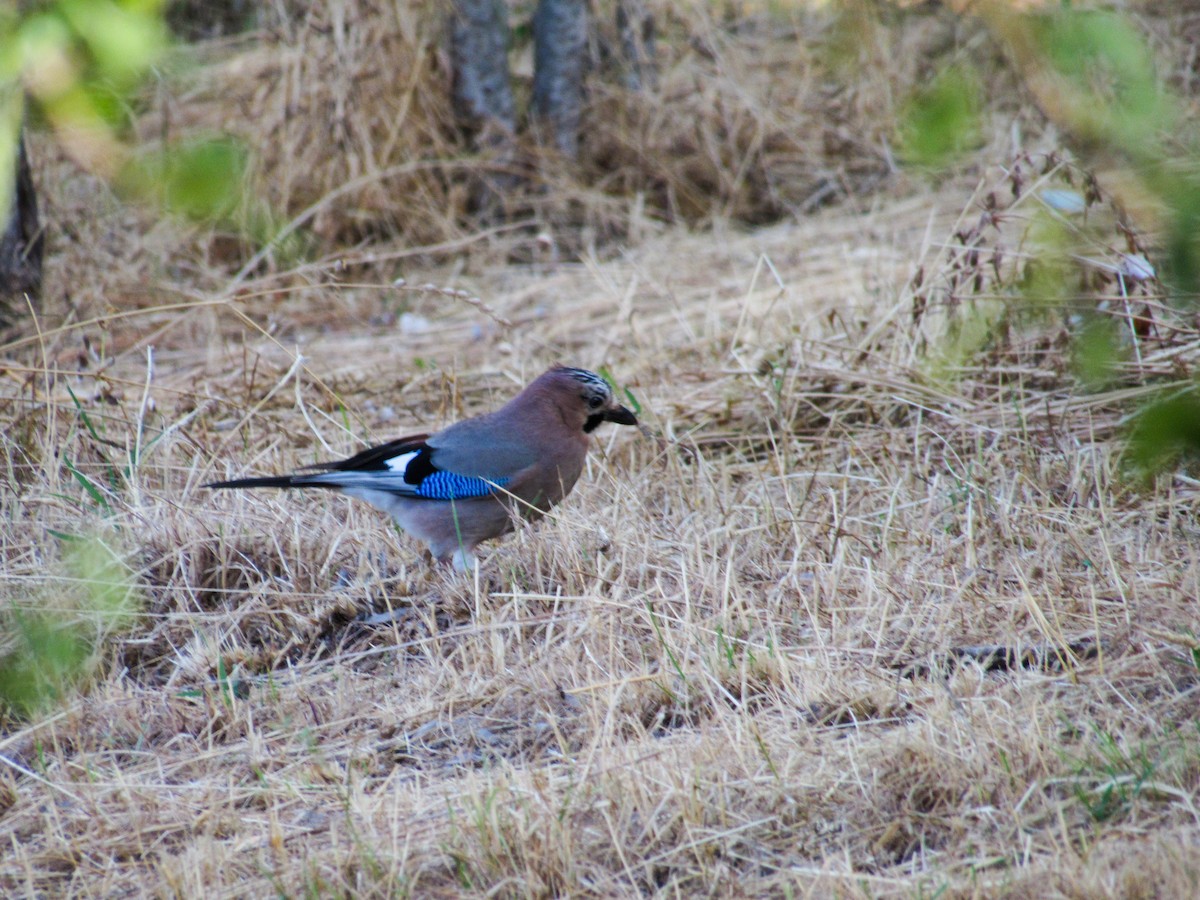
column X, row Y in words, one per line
column 411, row 467
column 374, row 458
column 488, row 447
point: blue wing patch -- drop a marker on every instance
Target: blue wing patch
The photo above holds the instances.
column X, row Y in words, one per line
column 439, row 485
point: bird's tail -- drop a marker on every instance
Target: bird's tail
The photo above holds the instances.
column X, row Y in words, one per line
column 274, row 481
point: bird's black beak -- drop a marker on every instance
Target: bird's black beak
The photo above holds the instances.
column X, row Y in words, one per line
column 620, row 415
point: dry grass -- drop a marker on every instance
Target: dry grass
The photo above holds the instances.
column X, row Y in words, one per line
column 723, row 666
column 754, row 115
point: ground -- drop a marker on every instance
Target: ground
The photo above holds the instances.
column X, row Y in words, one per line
column 867, row 609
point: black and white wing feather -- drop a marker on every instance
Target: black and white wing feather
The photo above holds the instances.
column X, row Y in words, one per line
column 406, row 467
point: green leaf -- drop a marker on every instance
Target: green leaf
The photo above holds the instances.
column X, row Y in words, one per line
column 124, row 38
column 1096, row 353
column 83, row 416
column 109, row 586
column 201, row 180
column 1103, row 58
column 52, row 639
column 91, row 489
column 1165, row 432
column 1180, row 191
column 942, row 121
column 49, row 656
column 604, row 373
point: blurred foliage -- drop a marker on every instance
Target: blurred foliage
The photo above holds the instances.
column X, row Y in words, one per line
column 1103, row 74
column 1046, row 283
column 1165, row 432
column 1091, row 72
column 940, row 123
column 74, row 67
column 1097, row 352
column 51, row 636
column 199, row 179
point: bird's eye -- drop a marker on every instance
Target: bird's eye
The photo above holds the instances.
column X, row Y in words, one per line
column 595, row 401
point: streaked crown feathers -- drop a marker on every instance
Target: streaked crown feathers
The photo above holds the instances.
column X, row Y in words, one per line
column 595, row 387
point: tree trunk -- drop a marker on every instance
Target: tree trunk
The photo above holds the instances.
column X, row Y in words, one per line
column 21, row 242
column 560, row 30
column 483, row 99
column 635, row 25
column 479, row 53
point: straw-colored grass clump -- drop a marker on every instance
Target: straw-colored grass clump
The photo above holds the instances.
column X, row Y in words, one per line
column 347, row 108
column 873, row 610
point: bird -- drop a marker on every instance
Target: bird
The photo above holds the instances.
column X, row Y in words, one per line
column 470, row 482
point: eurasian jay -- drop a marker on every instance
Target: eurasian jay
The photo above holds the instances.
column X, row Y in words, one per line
column 467, row 483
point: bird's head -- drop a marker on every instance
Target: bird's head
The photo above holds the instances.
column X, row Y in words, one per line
column 591, row 396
